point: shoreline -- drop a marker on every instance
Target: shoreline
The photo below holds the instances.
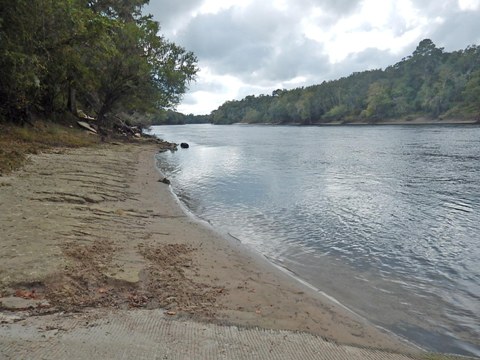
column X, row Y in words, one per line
column 288, row 279
column 291, row 278
column 104, row 232
column 417, row 121
column 393, row 308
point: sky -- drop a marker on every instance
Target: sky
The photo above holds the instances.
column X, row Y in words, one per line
column 253, row 47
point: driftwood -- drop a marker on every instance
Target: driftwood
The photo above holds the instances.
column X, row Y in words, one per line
column 127, row 130
column 81, row 114
column 86, row 126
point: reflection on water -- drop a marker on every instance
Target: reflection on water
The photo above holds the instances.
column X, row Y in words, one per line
column 385, row 219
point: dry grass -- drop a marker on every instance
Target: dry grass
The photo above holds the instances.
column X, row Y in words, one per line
column 17, row 142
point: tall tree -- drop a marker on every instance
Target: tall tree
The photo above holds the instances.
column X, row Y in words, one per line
column 105, row 51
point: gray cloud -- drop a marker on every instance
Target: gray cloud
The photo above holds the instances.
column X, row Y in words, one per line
column 259, row 44
column 167, row 11
column 434, row 8
column 189, row 99
column 458, row 28
column 303, row 58
column 218, row 35
column 337, row 7
column 458, row 31
column 368, row 59
column 208, row 86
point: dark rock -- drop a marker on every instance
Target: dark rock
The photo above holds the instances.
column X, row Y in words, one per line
column 165, row 181
column 184, row 145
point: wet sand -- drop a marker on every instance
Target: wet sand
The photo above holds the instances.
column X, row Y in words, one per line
column 95, row 227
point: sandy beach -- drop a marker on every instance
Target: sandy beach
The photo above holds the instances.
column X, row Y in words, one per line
column 96, row 228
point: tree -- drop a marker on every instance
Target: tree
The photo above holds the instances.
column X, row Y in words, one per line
column 104, row 51
column 140, row 68
column 20, row 64
column 304, row 108
column 471, row 94
column 336, row 113
column 252, row 116
column 379, row 101
column 426, row 48
column 126, row 10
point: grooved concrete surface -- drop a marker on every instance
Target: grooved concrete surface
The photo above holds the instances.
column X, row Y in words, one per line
column 143, row 334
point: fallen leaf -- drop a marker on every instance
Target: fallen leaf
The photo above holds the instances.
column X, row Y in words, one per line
column 26, row 294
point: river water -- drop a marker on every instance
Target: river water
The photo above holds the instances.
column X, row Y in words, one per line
column 386, row 219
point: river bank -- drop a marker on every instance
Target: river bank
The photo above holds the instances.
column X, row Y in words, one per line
column 95, row 228
column 411, row 121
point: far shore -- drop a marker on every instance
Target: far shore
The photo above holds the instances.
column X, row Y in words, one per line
column 415, row 121
column 361, row 122
column 96, row 228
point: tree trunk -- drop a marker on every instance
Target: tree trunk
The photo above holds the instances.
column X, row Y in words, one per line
column 102, row 121
column 72, row 100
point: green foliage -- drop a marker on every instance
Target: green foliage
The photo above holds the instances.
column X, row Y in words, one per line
column 429, row 83
column 379, row 101
column 104, row 53
column 170, row 117
column 471, row 94
column 337, row 112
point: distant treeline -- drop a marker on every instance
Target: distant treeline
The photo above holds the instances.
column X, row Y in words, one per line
column 171, row 117
column 104, row 55
column 430, row 83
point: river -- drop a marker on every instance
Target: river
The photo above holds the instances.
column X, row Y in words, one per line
column 386, row 219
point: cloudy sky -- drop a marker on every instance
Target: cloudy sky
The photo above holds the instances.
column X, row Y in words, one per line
column 249, row 47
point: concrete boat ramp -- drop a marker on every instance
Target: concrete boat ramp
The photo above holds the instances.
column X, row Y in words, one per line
column 153, row 334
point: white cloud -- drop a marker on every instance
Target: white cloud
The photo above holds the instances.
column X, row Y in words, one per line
column 468, row 5
column 202, row 100
column 387, row 25
column 215, row 6
column 281, row 5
